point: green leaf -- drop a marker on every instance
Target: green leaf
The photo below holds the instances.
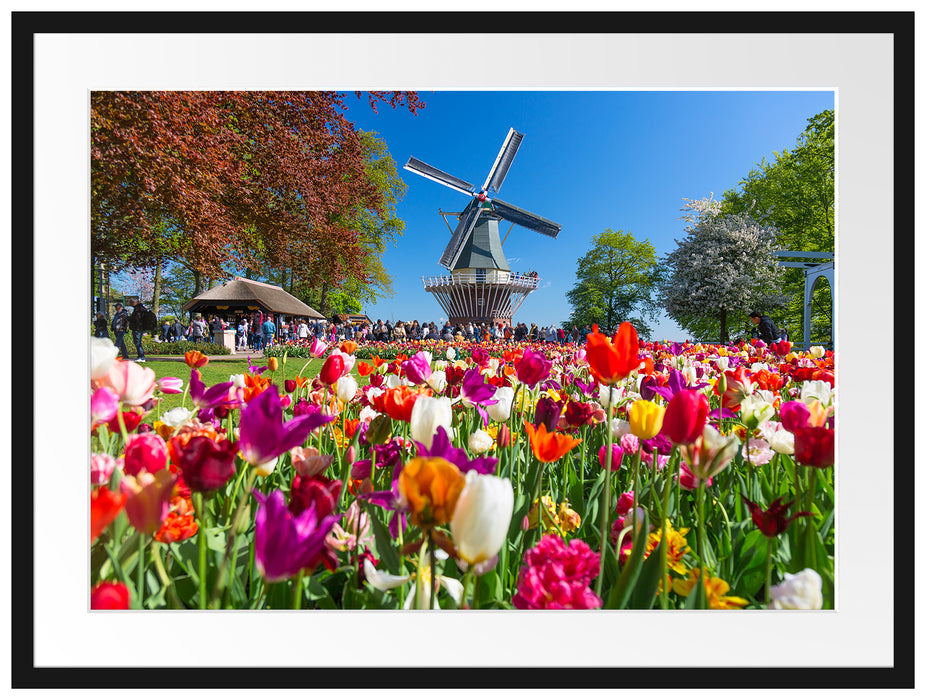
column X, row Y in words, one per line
column 693, row 601
column 620, row 594
column 644, row 593
column 385, row 546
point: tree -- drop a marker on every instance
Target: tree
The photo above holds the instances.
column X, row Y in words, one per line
column 723, row 266
column 796, row 194
column 615, row 282
column 231, row 179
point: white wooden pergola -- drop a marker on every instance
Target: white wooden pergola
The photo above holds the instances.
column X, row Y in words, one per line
column 813, row 272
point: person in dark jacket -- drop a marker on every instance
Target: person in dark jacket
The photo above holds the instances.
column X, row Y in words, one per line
column 768, row 331
column 99, row 326
column 137, row 326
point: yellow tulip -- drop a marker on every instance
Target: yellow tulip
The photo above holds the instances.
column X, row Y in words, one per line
column 645, row 419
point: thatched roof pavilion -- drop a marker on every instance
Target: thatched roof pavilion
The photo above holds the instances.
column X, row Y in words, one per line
column 240, row 295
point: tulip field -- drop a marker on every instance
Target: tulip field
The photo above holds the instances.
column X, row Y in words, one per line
column 610, row 474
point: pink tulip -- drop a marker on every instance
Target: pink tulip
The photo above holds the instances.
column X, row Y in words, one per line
column 102, row 467
column 170, row 385
column 145, row 452
column 133, row 383
column 148, row 499
column 104, row 404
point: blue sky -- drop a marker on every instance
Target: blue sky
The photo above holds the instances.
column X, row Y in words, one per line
column 589, row 161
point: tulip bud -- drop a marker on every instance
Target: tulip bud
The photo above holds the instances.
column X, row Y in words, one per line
column 503, row 439
column 481, row 517
column 346, row 388
column 479, row 441
column 379, row 430
column 685, row 416
column 273, row 364
column 645, row 418
column 331, row 370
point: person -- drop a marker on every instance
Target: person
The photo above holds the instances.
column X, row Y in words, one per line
column 268, row 329
column 99, row 326
column 137, row 326
column 303, row 331
column 768, row 331
column 119, row 325
column 198, row 329
column 242, row 333
column 165, row 331
column 176, row 331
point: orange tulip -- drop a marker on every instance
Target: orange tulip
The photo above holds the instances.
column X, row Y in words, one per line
column 612, row 360
column 253, row 385
column 348, row 346
column 195, row 359
column 273, row 364
column 431, row 487
column 548, row 447
column 364, row 369
column 397, row 403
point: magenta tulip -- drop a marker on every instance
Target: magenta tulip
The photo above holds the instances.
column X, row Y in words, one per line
column 685, row 417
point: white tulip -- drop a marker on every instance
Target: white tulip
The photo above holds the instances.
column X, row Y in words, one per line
column 102, row 355
column 176, row 416
column 722, row 362
column 816, row 389
column 817, row 351
column 438, row 381
column 346, row 388
column 501, row 410
column 427, row 414
column 800, row 591
column 237, row 380
column 480, row 441
column 619, row 428
column 607, row 396
column 482, row 516
column 451, row 354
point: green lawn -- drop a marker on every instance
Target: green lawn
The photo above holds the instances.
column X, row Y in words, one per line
column 219, row 370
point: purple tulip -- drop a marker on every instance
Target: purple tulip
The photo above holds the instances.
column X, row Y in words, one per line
column 285, row 544
column 442, row 447
column 263, row 436
column 214, row 397
column 534, row 367
column 547, row 412
column 418, row 367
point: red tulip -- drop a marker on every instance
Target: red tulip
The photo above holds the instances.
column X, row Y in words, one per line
column 815, row 446
column 109, row 595
column 332, row 370
column 205, row 465
column 685, row 416
column 104, row 507
column 773, row 521
column 612, row 360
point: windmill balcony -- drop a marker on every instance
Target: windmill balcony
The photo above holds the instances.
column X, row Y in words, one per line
column 489, row 296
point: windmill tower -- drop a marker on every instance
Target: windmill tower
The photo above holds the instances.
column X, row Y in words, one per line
column 481, row 287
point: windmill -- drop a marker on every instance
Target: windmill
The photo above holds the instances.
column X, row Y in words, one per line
column 481, row 286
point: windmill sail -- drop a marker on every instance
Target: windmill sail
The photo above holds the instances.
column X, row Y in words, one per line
column 524, row 218
column 464, row 229
column 500, row 167
column 429, row 171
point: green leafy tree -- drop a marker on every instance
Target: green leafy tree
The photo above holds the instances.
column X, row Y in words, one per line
column 796, row 194
column 615, row 282
column 723, row 267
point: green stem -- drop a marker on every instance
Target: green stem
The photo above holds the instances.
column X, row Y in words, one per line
column 433, row 557
column 701, row 547
column 605, row 500
column 201, row 541
column 666, row 490
column 140, row 572
column 232, row 537
column 297, row 591
column 768, row 568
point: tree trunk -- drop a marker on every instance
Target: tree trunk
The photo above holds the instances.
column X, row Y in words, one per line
column 723, row 325
column 156, row 294
column 323, row 301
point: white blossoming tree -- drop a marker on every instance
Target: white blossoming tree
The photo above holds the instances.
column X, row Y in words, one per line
column 723, row 267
